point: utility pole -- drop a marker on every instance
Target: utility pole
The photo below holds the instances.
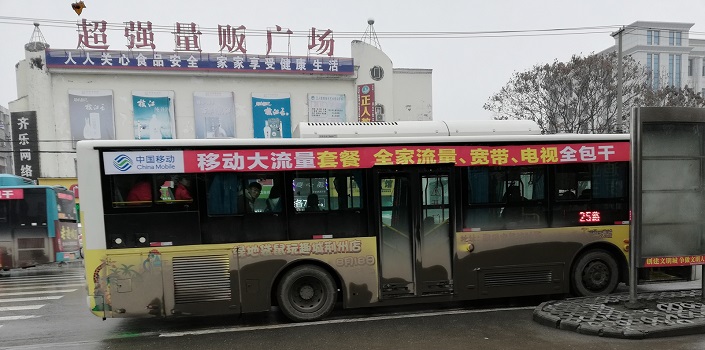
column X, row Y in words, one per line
column 620, row 73
column 633, row 302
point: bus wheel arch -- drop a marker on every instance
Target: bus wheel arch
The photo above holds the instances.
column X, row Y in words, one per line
column 596, row 270
column 307, row 290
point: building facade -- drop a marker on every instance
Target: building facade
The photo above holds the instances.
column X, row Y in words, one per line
column 5, row 142
column 76, row 94
column 667, row 51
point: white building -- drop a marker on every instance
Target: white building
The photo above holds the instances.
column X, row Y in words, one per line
column 667, row 49
column 5, row 142
column 98, row 94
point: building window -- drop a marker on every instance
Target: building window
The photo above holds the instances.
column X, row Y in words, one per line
column 674, row 70
column 690, row 67
column 674, row 38
column 653, row 64
column 652, row 37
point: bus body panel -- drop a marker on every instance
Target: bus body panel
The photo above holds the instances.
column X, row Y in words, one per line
column 546, row 255
column 206, row 280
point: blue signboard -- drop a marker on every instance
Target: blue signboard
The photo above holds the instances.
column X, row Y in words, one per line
column 271, row 115
column 194, row 61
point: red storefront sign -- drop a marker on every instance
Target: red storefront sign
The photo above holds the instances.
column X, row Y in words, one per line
column 366, row 103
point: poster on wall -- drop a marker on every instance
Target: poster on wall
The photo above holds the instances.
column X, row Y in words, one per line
column 153, row 115
column 214, row 114
column 26, row 144
column 326, row 108
column 271, row 115
column 91, row 115
column 366, row 103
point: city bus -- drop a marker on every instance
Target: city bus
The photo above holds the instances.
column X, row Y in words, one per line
column 309, row 224
column 38, row 224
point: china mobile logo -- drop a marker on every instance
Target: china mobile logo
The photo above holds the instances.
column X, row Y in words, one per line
column 122, row 162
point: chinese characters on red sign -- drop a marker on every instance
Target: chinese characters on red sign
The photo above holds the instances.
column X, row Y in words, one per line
column 367, row 157
column 187, row 37
column 11, row 193
column 675, row 261
column 366, row 103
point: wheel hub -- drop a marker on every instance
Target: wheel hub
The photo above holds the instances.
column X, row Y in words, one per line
column 596, row 275
column 306, row 292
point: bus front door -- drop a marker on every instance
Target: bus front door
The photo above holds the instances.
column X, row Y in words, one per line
column 414, row 222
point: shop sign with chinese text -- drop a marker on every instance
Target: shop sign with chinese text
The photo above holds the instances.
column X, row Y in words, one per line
column 25, row 144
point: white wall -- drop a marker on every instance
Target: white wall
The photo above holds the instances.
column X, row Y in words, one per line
column 412, row 100
column 46, row 91
column 185, row 85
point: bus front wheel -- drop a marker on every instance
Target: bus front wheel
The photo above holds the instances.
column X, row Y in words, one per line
column 595, row 273
column 306, row 293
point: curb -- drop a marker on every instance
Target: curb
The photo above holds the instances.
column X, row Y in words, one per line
column 666, row 314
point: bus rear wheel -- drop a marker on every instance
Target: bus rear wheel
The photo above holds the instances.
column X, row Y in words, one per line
column 595, row 273
column 306, row 293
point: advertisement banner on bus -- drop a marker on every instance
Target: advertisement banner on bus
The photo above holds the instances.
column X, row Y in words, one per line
column 197, row 161
column 367, row 157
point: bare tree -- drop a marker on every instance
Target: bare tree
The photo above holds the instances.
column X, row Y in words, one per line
column 670, row 96
column 579, row 96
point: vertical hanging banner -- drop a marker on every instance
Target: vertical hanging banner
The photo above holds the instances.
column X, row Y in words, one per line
column 326, row 108
column 214, row 114
column 366, row 103
column 271, row 115
column 25, row 144
column 91, row 114
column 153, row 115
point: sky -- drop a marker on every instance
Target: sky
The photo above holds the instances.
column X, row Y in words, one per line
column 467, row 69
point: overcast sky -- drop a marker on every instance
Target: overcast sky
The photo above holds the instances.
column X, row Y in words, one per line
column 466, row 71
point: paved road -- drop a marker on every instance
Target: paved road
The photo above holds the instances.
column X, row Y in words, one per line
column 23, row 296
column 65, row 323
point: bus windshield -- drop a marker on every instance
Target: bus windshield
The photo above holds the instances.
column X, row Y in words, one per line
column 65, row 204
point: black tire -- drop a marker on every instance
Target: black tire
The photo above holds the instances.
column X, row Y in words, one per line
column 595, row 273
column 306, row 293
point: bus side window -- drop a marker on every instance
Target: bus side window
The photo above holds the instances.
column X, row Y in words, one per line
column 261, row 193
column 223, row 193
column 311, row 194
column 175, row 190
column 346, row 191
column 505, row 198
column 573, row 187
column 131, row 190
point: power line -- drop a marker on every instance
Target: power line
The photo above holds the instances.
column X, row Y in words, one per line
column 415, row 35
column 345, row 34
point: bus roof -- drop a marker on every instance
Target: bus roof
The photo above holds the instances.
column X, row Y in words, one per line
column 9, row 180
column 417, row 129
column 342, row 141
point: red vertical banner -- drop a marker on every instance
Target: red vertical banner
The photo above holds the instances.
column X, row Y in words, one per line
column 366, row 103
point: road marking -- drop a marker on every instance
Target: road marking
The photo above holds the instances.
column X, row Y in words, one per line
column 20, row 308
column 15, row 318
column 42, row 279
column 37, row 283
column 20, row 300
column 339, row 321
column 54, row 275
column 38, row 292
column 34, row 287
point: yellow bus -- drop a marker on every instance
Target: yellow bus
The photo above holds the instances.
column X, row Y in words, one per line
column 206, row 227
